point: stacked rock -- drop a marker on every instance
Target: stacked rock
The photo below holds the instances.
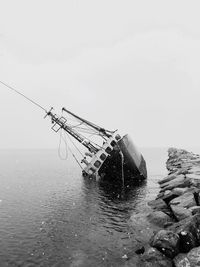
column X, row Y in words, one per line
column 177, row 211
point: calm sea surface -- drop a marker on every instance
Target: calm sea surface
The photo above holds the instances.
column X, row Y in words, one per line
column 51, row 216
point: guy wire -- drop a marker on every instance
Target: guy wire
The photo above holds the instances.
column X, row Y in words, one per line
column 27, row 98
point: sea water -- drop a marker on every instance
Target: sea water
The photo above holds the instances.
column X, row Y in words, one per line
column 51, row 216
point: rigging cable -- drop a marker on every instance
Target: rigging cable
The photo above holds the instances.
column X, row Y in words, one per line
column 74, row 145
column 59, row 147
column 77, row 125
column 72, row 152
column 85, row 130
column 27, row 98
column 75, row 158
column 86, row 138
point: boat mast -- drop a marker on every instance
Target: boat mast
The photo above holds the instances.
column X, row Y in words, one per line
column 101, row 130
column 62, row 123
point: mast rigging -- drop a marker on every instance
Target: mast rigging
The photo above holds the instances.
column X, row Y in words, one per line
column 27, row 98
column 105, row 160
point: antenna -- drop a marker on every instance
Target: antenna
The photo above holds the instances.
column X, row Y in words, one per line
column 27, row 98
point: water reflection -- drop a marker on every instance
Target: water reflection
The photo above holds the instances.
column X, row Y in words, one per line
column 92, row 222
column 51, row 216
column 115, row 191
column 130, row 191
column 113, row 203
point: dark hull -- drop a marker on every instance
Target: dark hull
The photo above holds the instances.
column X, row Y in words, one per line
column 131, row 167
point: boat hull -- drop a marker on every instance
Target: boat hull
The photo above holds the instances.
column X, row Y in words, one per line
column 126, row 163
column 133, row 159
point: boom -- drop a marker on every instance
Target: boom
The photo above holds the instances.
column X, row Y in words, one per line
column 96, row 127
column 61, row 122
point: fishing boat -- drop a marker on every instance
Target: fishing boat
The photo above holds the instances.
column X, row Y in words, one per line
column 108, row 156
column 112, row 157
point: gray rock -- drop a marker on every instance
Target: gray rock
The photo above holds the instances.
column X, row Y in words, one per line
column 195, row 169
column 189, row 232
column 153, row 258
column 186, row 200
column 168, row 196
column 178, row 182
column 195, row 183
column 187, row 241
column 194, row 209
column 168, row 178
column 179, row 191
column 145, row 229
column 186, row 165
column 166, row 192
column 194, row 257
column 196, row 192
column 160, row 195
column 180, row 159
column 180, row 212
column 181, row 260
column 195, row 161
column 195, row 176
column 183, row 170
column 166, row 242
column 158, row 218
column 177, row 179
column 158, row 204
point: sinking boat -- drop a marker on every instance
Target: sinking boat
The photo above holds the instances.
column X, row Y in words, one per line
column 114, row 157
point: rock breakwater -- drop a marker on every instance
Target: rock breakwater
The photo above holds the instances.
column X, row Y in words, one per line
column 176, row 211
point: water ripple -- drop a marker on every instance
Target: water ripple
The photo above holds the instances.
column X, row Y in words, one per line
column 51, row 216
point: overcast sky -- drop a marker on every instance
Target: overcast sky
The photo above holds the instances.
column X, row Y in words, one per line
column 127, row 65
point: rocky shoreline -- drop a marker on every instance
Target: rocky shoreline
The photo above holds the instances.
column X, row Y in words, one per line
column 175, row 214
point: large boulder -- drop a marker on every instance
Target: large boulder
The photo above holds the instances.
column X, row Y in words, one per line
column 190, row 259
column 183, row 170
column 145, row 229
column 187, row 240
column 189, row 233
column 180, row 213
column 180, row 191
column 168, row 195
column 194, row 178
column 168, row 178
column 178, row 182
column 167, row 242
column 168, row 181
column 181, row 260
column 158, row 204
column 194, row 257
column 186, row 200
column 159, row 218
